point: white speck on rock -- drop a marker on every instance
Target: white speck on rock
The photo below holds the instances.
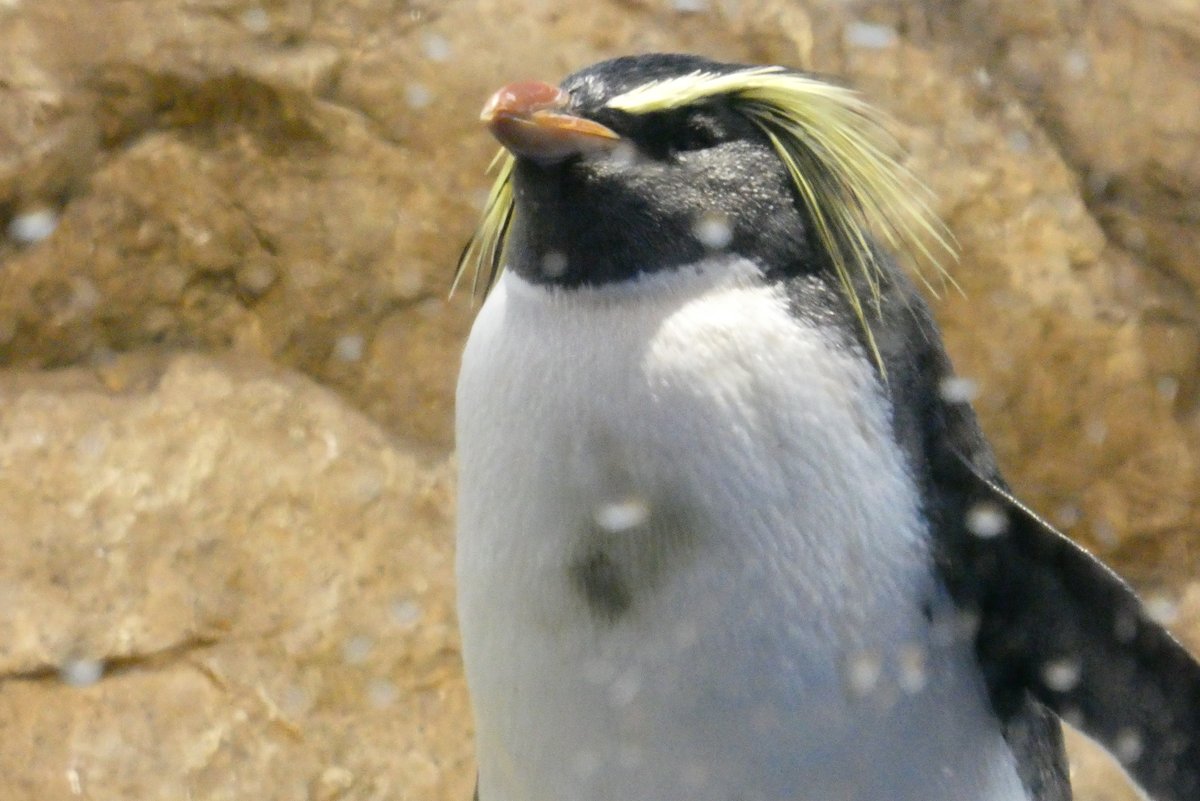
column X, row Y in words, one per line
column 1068, row 515
column 430, row 307
column 85, row 295
column 382, row 693
column 349, row 348
column 405, row 612
column 689, row 6
column 407, row 284
column 337, row 778
column 1105, row 533
column 255, row 278
column 81, row 672
column 869, row 35
column 255, row 20
column 1020, row 142
column 368, row 487
column 1095, row 431
column 1134, row 237
column 418, row 95
column 1167, row 387
column 31, row 227
column 436, row 47
column 1076, row 63
column 296, row 701
column 356, row 649
column 92, row 445
column 74, row 780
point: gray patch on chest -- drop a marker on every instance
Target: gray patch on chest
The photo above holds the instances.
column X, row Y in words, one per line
column 628, row 548
column 602, row 584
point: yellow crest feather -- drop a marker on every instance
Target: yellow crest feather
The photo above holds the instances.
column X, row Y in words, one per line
column 836, row 149
column 485, row 249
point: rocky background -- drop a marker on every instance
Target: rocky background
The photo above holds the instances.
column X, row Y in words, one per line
column 227, row 230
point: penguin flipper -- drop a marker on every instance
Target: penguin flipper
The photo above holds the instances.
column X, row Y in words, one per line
column 1056, row 622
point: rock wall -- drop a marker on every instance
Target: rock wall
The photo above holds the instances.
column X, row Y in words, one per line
column 228, row 358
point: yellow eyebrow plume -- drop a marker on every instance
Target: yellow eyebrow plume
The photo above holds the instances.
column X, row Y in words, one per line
column 836, row 149
column 485, row 249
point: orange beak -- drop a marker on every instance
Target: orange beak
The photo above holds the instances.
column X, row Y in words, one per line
column 530, row 120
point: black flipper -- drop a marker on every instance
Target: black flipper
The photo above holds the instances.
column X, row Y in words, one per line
column 1056, row 623
column 1057, row 630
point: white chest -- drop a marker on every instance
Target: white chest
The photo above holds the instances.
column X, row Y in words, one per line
column 691, row 563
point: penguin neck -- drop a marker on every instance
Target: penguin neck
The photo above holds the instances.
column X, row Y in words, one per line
column 678, row 284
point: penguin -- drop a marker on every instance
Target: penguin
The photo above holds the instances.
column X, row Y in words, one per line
column 725, row 530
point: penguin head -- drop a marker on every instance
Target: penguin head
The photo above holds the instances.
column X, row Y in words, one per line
column 604, row 194
column 649, row 163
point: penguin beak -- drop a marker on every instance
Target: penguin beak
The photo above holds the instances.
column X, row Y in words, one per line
column 530, row 119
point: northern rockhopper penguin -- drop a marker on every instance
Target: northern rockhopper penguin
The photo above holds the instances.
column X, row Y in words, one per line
column 723, row 535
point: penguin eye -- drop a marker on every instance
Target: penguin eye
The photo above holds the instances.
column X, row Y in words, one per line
column 699, row 130
column 663, row 135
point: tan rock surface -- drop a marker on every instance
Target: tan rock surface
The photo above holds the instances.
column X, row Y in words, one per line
column 249, row 583
column 264, row 573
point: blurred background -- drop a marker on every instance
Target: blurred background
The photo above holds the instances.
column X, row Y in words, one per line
column 227, row 357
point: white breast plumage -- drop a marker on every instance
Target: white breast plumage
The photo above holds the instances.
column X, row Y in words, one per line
column 691, row 561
